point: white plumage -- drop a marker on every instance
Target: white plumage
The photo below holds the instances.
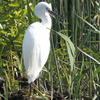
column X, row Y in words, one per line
column 36, row 43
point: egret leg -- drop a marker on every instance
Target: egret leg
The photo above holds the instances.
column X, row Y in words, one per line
column 37, row 83
column 31, row 90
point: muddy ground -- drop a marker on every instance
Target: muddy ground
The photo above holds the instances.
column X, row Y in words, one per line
column 23, row 93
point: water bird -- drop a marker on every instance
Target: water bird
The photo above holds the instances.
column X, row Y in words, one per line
column 36, row 42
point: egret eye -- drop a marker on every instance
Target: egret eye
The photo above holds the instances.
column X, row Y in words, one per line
column 47, row 9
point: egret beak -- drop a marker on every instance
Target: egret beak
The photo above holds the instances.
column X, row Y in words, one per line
column 53, row 14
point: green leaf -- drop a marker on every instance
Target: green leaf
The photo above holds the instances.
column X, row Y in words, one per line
column 70, row 48
column 96, row 72
column 13, row 5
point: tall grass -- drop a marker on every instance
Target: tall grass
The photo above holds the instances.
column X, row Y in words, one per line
column 73, row 66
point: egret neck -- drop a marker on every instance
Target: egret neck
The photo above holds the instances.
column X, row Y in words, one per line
column 46, row 21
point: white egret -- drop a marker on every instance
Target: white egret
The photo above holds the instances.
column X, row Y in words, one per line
column 36, row 43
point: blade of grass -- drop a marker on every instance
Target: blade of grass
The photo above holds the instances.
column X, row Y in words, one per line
column 88, row 55
column 97, row 31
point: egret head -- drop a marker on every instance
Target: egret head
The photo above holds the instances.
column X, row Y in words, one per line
column 41, row 9
column 44, row 9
